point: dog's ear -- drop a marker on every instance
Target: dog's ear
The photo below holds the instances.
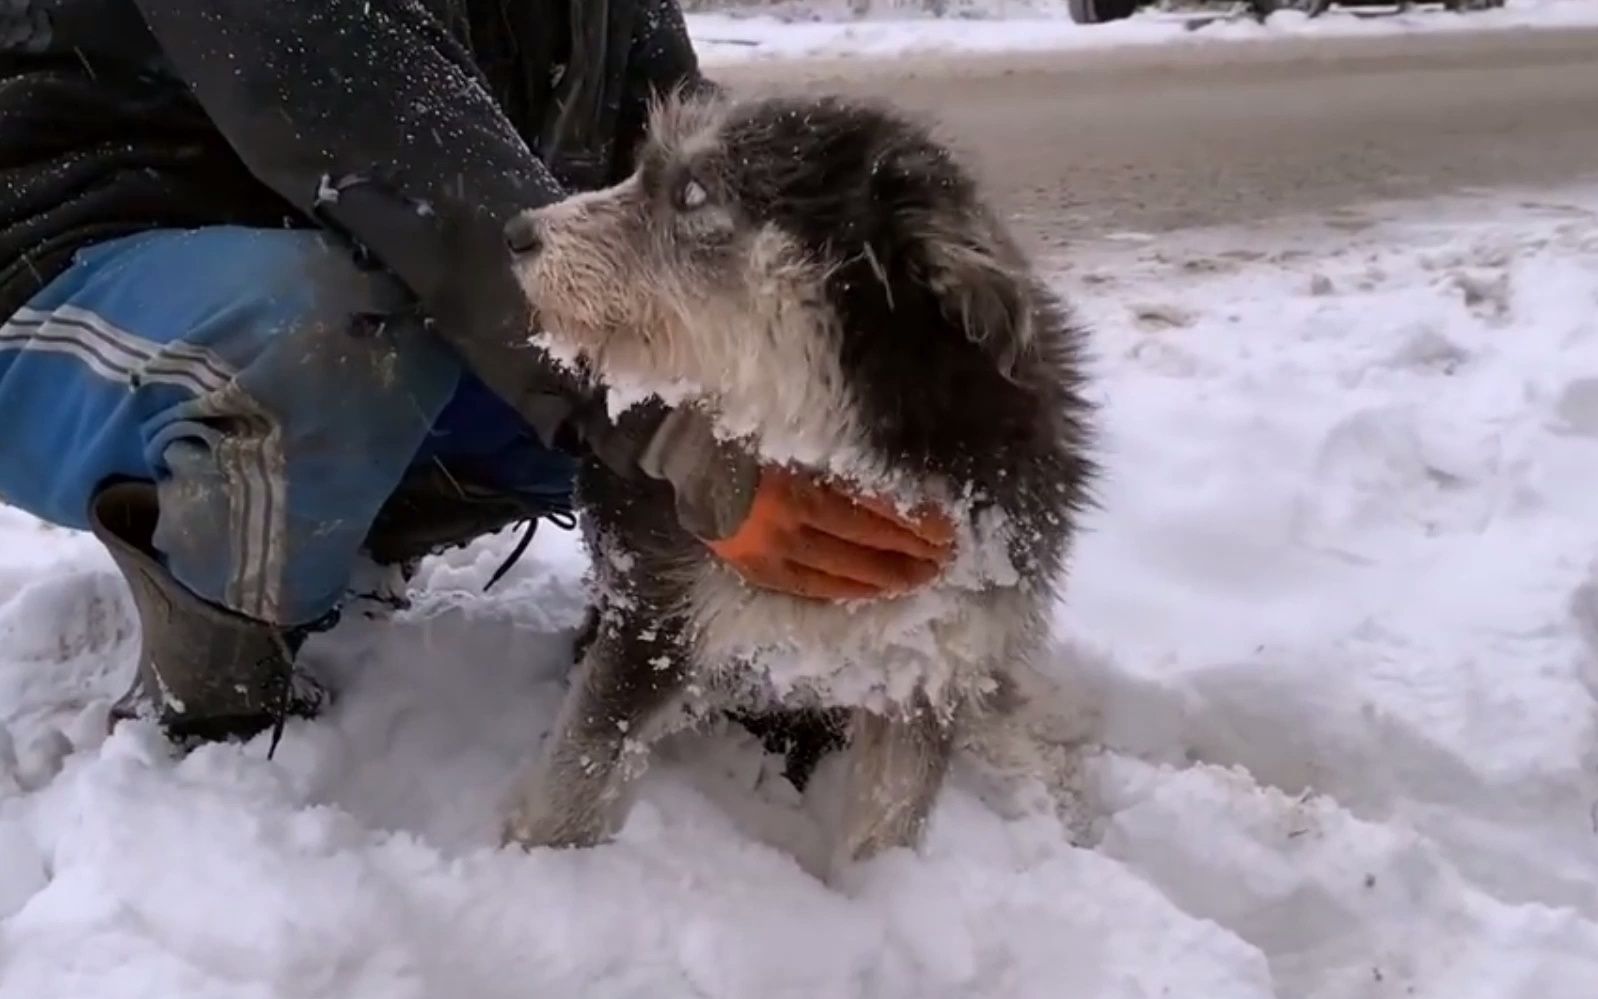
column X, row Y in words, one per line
column 957, row 250
column 980, row 290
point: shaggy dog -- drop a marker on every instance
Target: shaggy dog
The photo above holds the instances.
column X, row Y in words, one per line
column 823, row 278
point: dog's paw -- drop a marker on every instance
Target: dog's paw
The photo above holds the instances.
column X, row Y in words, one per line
column 849, row 861
column 517, row 831
column 529, row 825
column 531, row 832
column 862, row 838
column 538, row 820
column 861, row 843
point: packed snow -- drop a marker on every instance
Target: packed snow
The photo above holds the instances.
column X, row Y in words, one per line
column 997, row 26
column 1331, row 644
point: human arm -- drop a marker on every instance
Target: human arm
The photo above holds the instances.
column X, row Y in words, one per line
column 370, row 117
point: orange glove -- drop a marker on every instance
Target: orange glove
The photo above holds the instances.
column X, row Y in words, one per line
column 808, row 539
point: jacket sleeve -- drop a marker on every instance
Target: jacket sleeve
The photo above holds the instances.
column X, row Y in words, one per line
column 662, row 60
column 371, row 118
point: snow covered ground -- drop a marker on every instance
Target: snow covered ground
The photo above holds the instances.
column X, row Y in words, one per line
column 1332, row 640
column 1041, row 26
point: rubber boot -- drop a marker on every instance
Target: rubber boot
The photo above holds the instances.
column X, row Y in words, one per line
column 205, row 674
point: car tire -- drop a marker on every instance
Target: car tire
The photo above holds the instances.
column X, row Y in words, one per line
column 1100, row 11
column 1310, row 8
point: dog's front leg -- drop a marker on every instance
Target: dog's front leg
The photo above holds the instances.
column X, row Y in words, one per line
column 632, row 676
column 895, row 766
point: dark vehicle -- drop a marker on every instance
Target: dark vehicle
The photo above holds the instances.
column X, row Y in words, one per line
column 1099, row 11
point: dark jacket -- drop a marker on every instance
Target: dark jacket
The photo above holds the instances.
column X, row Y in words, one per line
column 415, row 128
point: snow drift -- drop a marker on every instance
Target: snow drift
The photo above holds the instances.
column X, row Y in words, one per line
column 1331, row 642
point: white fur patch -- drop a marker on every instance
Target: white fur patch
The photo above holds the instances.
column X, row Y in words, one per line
column 765, row 367
column 942, row 642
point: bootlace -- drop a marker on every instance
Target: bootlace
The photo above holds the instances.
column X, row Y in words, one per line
column 283, row 671
column 563, row 519
column 283, row 675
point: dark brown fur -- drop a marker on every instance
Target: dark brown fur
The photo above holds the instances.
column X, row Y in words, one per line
column 962, row 367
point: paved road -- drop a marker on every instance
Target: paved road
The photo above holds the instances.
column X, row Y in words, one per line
column 1163, row 138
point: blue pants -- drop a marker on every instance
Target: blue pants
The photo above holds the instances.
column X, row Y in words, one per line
column 274, row 391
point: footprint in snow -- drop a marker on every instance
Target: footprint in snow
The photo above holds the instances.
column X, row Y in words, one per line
column 1577, row 407
column 33, row 763
column 1426, row 347
column 1155, row 317
column 10, row 777
column 1486, row 295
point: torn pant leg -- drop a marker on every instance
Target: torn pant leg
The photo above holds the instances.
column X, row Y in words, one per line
column 273, row 391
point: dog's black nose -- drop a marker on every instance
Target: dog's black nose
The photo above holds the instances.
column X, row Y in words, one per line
column 521, row 234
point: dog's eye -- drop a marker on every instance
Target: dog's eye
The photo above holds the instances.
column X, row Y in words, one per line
column 691, row 195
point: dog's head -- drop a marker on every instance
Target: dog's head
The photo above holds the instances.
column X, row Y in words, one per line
column 819, row 242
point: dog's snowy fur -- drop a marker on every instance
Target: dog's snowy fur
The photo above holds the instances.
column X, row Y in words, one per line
column 823, row 277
